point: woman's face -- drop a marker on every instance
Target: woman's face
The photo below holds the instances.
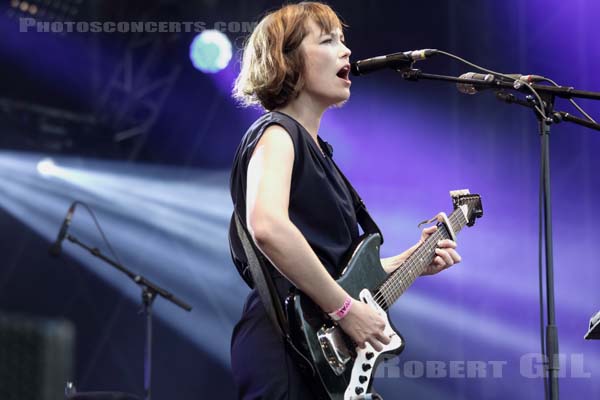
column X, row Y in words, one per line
column 327, row 66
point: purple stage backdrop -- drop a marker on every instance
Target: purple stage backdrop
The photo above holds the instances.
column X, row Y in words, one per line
column 472, row 331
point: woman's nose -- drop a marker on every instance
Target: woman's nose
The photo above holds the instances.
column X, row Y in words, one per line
column 346, row 51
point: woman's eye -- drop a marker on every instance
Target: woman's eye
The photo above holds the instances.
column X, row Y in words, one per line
column 327, row 41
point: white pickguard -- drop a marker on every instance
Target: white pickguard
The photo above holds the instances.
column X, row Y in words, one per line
column 367, row 357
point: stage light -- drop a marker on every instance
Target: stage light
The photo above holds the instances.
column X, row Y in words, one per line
column 167, row 223
column 210, row 51
column 44, row 10
column 47, row 167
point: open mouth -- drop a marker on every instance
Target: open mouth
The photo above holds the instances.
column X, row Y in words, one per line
column 344, row 73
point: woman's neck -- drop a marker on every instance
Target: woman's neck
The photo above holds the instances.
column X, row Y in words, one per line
column 305, row 111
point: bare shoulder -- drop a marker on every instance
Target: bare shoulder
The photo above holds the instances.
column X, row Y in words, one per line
column 275, row 141
column 269, row 176
column 276, row 135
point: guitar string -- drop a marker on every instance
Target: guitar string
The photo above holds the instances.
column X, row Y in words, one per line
column 407, row 274
column 388, row 291
column 401, row 279
column 404, row 278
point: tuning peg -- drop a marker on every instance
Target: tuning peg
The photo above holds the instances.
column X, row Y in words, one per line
column 458, row 193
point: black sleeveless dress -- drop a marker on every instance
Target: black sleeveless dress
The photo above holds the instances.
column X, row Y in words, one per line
column 321, row 208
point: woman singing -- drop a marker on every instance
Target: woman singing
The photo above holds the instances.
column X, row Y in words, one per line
column 296, row 206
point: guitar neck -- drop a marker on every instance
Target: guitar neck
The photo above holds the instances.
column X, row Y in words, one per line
column 413, row 267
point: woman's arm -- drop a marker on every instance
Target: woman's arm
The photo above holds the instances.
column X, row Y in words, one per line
column 267, row 203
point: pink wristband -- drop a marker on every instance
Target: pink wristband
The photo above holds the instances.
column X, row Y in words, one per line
column 342, row 311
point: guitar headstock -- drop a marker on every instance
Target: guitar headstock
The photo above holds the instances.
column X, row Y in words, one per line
column 470, row 204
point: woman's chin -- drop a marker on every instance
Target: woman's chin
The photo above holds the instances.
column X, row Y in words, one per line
column 340, row 104
column 341, row 101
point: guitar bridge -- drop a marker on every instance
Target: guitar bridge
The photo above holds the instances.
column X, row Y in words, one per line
column 334, row 348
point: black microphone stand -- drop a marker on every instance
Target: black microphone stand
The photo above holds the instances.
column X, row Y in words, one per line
column 557, row 91
column 149, row 292
column 547, row 95
column 557, row 116
column 554, row 117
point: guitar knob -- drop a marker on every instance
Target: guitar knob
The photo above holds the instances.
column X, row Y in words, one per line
column 362, row 379
column 358, row 390
column 366, row 367
column 369, row 355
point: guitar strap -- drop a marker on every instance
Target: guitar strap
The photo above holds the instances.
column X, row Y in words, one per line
column 258, row 265
column 262, row 279
column 363, row 217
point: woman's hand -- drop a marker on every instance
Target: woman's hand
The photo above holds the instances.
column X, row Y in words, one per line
column 446, row 254
column 363, row 324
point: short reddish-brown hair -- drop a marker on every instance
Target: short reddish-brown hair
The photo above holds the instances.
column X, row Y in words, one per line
column 272, row 63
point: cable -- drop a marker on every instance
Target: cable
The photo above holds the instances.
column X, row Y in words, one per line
column 540, row 111
column 91, row 212
column 526, row 84
column 572, row 101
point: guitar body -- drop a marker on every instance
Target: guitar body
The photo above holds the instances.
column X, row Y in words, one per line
column 339, row 369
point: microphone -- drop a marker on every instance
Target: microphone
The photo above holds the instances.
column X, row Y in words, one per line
column 472, row 88
column 56, row 247
column 401, row 60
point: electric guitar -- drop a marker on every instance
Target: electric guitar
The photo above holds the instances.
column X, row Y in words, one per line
column 339, row 369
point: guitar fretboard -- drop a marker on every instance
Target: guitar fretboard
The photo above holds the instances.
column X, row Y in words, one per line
column 413, row 267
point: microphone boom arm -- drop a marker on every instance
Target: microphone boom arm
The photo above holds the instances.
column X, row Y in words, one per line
column 149, row 292
column 138, row 279
column 558, row 91
column 557, row 116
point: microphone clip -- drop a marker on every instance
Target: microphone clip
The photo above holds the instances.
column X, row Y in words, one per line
column 411, row 74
